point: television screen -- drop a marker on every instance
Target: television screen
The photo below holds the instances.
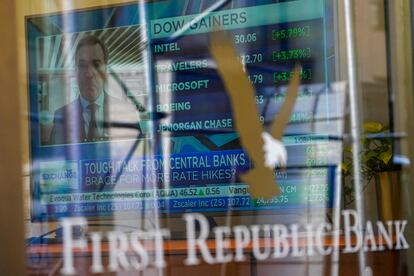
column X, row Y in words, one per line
column 130, row 113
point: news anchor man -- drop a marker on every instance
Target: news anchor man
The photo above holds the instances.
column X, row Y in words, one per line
column 92, row 116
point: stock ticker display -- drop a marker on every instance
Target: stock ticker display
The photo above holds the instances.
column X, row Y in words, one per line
column 187, row 155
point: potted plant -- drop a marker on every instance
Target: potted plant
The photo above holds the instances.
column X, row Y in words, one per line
column 376, row 156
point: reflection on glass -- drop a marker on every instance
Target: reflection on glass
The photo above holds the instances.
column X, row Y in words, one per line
column 135, row 156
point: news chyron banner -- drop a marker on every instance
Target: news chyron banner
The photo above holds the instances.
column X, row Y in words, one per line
column 129, row 112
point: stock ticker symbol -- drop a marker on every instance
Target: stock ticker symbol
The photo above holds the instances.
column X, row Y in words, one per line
column 264, row 147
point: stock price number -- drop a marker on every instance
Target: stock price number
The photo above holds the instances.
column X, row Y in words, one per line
column 317, row 198
column 313, row 162
column 251, row 58
column 188, row 192
column 245, row 38
column 212, row 191
column 238, row 201
column 256, row 78
column 273, row 201
column 259, row 99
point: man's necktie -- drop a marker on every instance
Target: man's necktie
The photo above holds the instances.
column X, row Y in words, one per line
column 93, row 127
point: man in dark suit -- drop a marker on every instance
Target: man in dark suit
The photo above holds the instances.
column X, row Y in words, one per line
column 92, row 116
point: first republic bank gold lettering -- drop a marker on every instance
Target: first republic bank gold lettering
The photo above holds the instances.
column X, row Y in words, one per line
column 139, row 250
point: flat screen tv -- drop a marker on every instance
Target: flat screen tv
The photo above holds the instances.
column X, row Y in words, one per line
column 161, row 132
